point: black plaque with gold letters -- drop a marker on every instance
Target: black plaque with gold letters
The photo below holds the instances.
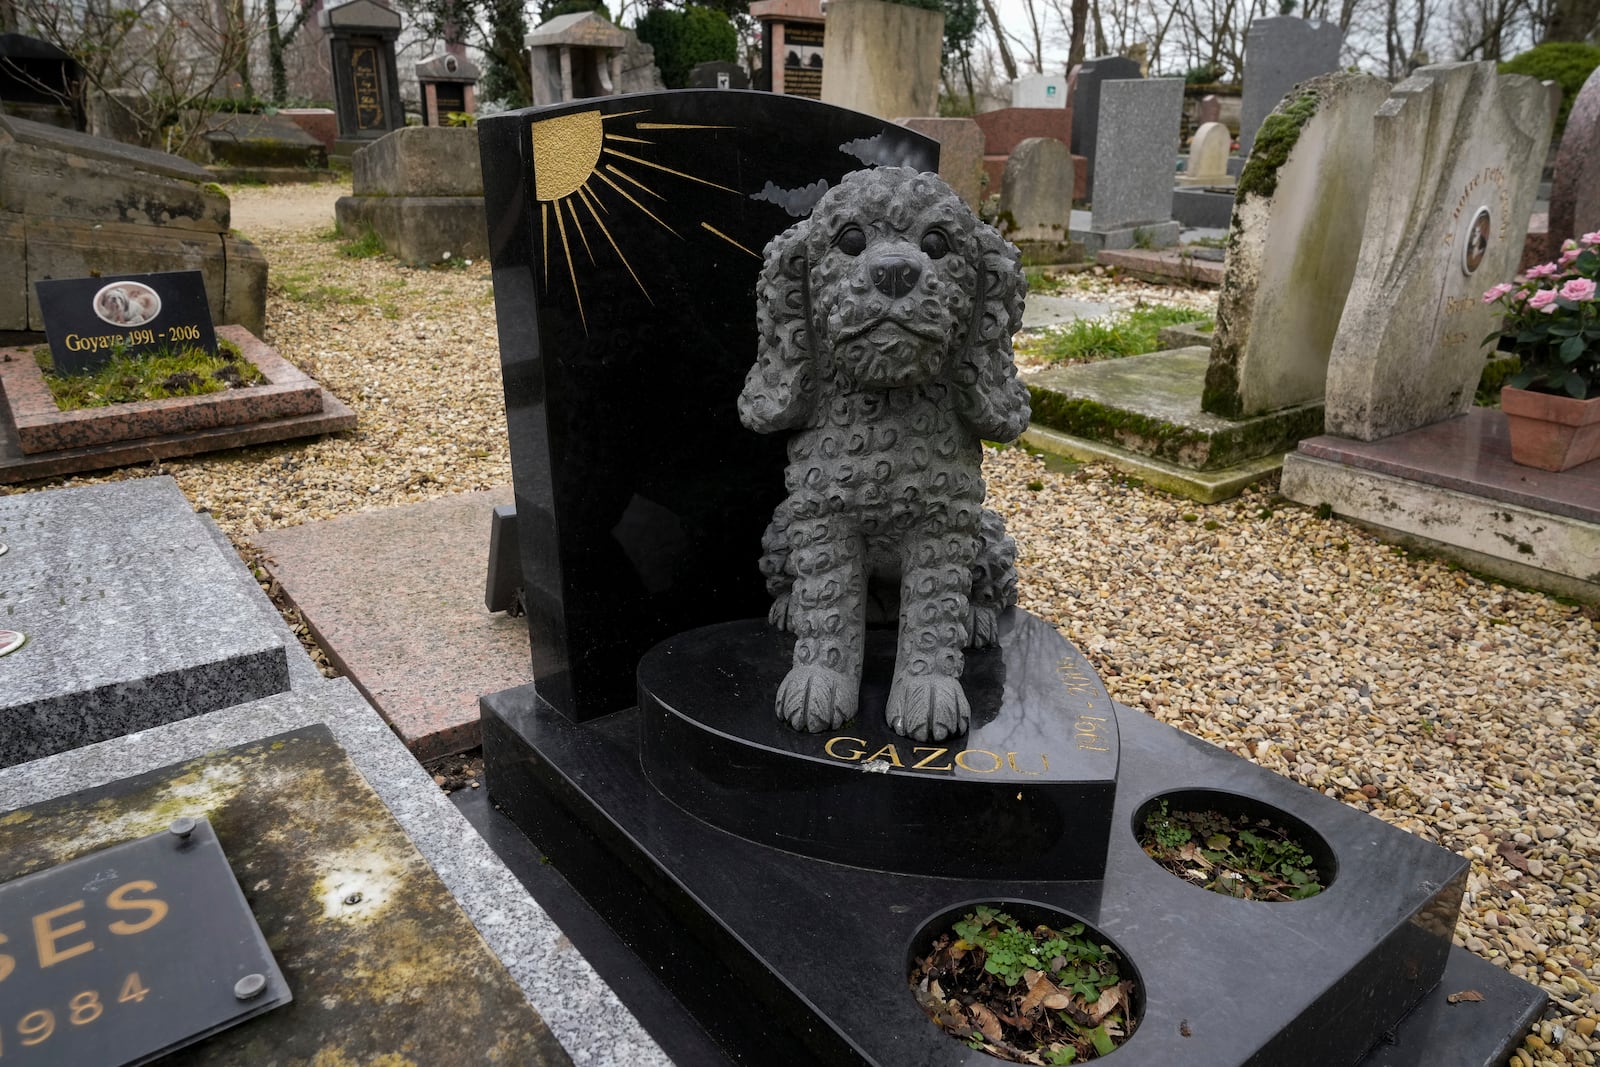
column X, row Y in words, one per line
column 124, row 955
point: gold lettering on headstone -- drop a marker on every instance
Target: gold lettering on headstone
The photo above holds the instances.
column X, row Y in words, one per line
column 367, row 88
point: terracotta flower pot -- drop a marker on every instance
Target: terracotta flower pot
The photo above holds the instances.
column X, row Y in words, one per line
column 1553, row 433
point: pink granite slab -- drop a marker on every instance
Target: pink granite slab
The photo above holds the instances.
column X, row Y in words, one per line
column 1469, row 454
column 40, row 426
column 395, row 598
column 1167, row 263
column 15, row 466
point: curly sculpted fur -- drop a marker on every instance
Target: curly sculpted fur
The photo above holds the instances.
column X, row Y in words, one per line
column 886, row 322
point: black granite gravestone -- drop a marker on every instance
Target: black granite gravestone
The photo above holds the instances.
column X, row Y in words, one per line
column 366, row 81
column 718, row 74
column 626, row 236
column 792, row 878
column 90, row 320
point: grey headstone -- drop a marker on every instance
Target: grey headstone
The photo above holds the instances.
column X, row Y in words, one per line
column 1280, row 53
column 1451, row 142
column 1036, row 194
column 1296, row 233
column 1086, row 105
column 1137, row 153
column 134, row 616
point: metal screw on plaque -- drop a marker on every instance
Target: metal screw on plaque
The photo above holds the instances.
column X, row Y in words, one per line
column 353, row 899
column 250, row 986
column 182, row 827
column 11, row 640
column 3, row 548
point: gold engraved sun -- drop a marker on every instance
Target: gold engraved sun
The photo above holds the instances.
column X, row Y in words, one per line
column 581, row 164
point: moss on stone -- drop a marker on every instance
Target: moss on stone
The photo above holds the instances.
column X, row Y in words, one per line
column 1274, row 141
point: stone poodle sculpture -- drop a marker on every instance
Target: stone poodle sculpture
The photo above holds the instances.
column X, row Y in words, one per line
column 886, row 320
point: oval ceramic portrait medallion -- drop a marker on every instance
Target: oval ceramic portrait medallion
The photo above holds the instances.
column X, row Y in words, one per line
column 1476, row 245
column 11, row 640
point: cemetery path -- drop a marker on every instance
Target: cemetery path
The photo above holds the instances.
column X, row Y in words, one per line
column 259, row 210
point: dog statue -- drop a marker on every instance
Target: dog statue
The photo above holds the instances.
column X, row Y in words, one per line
column 886, row 321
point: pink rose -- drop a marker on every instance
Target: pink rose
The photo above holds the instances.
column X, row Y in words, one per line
column 1591, row 238
column 1497, row 292
column 1519, row 298
column 1578, row 289
column 1569, row 255
column 1568, row 245
column 1544, row 300
column 1543, row 270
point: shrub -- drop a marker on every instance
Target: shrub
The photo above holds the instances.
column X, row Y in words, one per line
column 1566, row 63
column 683, row 38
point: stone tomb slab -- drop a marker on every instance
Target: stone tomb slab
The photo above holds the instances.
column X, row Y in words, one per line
column 399, row 966
column 823, row 949
column 133, row 614
column 1150, row 405
column 1452, row 487
column 380, row 957
column 395, row 598
column 41, row 426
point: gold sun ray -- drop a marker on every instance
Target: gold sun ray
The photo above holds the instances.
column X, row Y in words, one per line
column 668, row 170
column 630, row 199
column 544, row 231
column 577, row 224
column 712, row 229
column 589, row 202
column 572, row 151
column 633, row 181
column 571, row 270
column 592, row 200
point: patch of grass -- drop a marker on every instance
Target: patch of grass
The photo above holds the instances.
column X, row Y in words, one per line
column 151, row 376
column 304, row 288
column 365, row 245
column 1042, row 282
column 1128, row 335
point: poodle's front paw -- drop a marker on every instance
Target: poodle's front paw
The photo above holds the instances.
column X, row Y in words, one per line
column 778, row 614
column 985, row 623
column 928, row 707
column 814, row 698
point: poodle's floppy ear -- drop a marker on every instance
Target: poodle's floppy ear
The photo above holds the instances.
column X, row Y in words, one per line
column 781, row 389
column 992, row 402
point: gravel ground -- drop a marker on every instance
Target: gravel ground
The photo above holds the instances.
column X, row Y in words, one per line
column 1459, row 709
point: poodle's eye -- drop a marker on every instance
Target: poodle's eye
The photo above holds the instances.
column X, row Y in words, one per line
column 935, row 244
column 851, row 241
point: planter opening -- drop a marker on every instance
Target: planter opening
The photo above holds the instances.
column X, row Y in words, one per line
column 1228, row 845
column 1025, row 983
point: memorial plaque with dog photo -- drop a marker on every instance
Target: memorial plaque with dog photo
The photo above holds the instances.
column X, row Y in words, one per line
column 90, row 320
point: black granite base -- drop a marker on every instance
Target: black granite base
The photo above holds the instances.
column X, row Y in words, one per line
column 818, row 951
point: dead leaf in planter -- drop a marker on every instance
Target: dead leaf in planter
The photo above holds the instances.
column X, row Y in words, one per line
column 1465, row 994
column 1041, row 990
column 1109, row 1000
column 987, row 1023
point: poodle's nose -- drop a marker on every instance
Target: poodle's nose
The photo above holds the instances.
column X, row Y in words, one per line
column 895, row 276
